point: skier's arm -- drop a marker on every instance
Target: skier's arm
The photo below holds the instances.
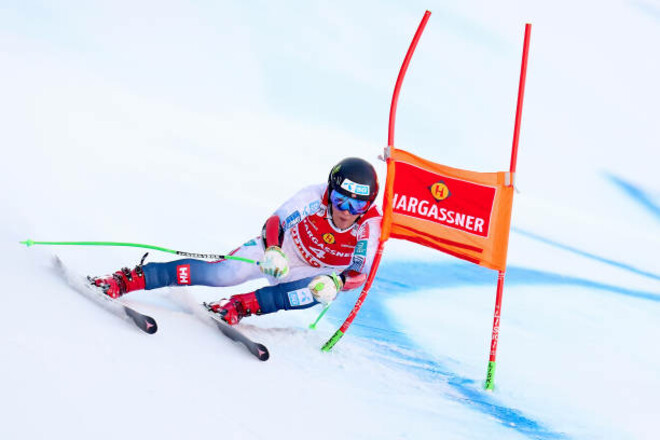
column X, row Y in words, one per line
column 352, row 279
column 363, row 256
column 272, row 233
column 326, row 287
column 275, row 263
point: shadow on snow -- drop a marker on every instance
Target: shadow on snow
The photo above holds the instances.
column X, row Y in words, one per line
column 375, row 324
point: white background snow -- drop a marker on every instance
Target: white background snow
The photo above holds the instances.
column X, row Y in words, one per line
column 185, row 124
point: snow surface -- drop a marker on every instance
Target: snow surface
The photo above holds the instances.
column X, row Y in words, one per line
column 185, row 125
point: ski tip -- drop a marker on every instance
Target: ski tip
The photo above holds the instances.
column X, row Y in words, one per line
column 150, row 325
column 27, row 242
column 261, row 352
column 145, row 323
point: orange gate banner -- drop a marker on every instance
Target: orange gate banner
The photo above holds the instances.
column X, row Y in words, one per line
column 463, row 213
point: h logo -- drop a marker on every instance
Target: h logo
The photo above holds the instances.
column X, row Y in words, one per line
column 183, row 274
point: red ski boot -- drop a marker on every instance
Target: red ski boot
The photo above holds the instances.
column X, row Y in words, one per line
column 120, row 282
column 238, row 306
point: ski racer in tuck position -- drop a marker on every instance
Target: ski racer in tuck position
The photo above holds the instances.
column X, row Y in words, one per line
column 321, row 241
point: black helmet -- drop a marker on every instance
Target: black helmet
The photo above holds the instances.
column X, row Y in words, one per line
column 354, row 177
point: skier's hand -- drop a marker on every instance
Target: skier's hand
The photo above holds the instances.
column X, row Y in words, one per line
column 324, row 288
column 275, row 263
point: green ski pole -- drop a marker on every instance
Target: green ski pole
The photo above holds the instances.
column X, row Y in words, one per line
column 325, row 309
column 30, row 242
column 318, row 287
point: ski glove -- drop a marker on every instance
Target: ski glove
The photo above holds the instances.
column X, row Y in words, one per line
column 275, row 263
column 324, row 288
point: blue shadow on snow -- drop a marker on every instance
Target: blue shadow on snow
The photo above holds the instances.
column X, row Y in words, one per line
column 375, row 323
column 636, row 193
column 586, row 254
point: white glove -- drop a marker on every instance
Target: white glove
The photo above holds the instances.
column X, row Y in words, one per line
column 275, row 263
column 324, row 288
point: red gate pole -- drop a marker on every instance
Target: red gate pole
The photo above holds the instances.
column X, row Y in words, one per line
column 490, row 375
column 390, row 142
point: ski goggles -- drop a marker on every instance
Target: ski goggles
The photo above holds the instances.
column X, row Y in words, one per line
column 342, row 203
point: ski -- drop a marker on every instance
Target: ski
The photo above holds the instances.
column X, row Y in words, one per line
column 256, row 349
column 83, row 286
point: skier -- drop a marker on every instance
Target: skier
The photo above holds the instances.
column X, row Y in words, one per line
column 321, row 241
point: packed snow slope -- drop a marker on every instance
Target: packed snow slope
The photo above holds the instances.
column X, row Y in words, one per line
column 185, row 125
